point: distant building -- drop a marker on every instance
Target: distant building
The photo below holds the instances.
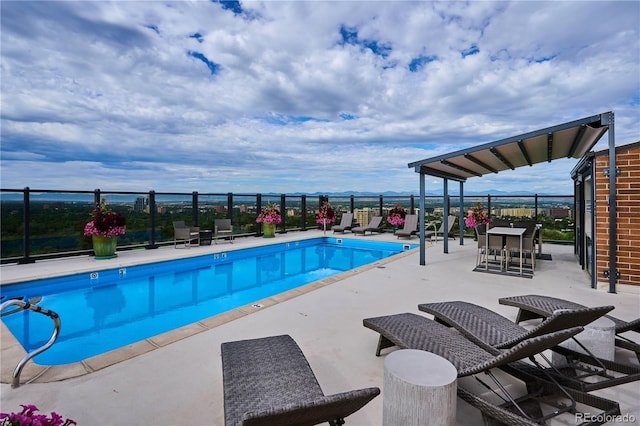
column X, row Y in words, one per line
column 517, row 212
column 363, row 216
column 560, row 212
column 141, row 204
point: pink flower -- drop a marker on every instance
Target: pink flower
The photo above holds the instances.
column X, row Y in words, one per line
column 269, row 214
column 396, row 215
column 326, row 214
column 29, row 417
column 476, row 217
column 105, row 222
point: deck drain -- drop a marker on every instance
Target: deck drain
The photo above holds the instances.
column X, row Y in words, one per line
column 257, row 305
column 381, row 267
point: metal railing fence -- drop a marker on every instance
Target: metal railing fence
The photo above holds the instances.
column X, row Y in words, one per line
column 44, row 223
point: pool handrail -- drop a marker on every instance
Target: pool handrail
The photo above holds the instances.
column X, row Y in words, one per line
column 56, row 332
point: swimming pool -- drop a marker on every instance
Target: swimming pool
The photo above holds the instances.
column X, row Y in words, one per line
column 105, row 310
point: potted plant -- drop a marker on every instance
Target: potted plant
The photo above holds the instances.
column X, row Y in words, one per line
column 325, row 215
column 396, row 216
column 269, row 217
column 476, row 216
column 104, row 228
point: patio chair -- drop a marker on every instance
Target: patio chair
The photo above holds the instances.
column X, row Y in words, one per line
column 345, row 223
column 495, row 246
column 512, row 248
column 268, row 381
column 493, row 332
column 410, row 226
column 533, row 306
column 185, row 234
column 433, row 234
column 375, row 225
column 532, row 228
column 411, row 331
column 223, row 229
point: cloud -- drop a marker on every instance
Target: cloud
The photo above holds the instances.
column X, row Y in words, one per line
column 299, row 96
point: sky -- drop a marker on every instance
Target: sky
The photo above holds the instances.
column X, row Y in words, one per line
column 301, row 96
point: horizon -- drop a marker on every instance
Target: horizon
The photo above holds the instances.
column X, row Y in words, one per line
column 51, row 195
column 196, row 96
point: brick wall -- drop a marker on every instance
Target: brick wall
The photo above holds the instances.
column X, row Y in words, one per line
column 628, row 215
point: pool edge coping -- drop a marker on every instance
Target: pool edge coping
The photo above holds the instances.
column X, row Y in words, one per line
column 12, row 351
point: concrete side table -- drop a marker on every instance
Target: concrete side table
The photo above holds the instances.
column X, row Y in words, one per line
column 599, row 337
column 420, row 388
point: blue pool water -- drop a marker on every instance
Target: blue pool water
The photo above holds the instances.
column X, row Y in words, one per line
column 105, row 310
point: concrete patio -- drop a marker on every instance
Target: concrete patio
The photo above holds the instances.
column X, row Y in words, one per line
column 180, row 383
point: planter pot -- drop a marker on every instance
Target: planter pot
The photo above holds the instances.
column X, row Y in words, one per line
column 268, row 230
column 104, row 247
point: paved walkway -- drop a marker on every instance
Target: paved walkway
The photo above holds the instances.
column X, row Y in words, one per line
column 181, row 383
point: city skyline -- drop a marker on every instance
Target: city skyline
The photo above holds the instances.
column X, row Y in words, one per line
column 301, row 97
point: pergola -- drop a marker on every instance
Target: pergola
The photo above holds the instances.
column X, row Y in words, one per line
column 569, row 140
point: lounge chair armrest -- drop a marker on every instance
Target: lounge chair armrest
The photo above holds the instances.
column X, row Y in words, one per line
column 318, row 410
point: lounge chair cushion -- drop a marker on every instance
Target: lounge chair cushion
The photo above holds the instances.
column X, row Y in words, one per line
column 410, row 226
column 345, row 223
column 375, row 225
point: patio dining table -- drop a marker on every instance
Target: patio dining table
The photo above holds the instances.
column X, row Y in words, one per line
column 505, row 231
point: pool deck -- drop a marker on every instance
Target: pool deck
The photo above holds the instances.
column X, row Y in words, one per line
column 176, row 378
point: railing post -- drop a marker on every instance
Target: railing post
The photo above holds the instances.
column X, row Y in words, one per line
column 259, row 209
column 380, row 202
column 26, row 219
column 489, row 207
column 461, row 215
column 412, row 205
column 194, row 208
column 352, row 204
column 303, row 213
column 229, row 205
column 445, row 215
column 283, row 204
column 536, row 208
column 96, row 197
column 152, row 220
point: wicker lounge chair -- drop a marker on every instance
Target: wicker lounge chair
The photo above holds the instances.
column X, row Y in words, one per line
column 534, row 306
column 185, row 234
column 410, row 226
column 269, row 382
column 433, row 234
column 493, row 332
column 223, row 229
column 411, row 331
column 345, row 223
column 375, row 225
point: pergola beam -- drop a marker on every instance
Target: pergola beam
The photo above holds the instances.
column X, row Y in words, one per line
column 525, row 153
column 502, row 158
